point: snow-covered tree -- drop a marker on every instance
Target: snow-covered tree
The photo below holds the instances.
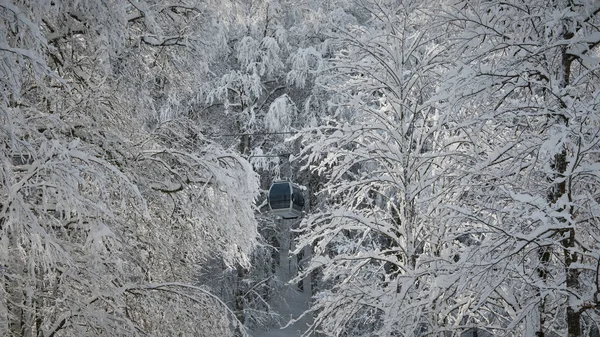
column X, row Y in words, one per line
column 462, row 163
column 382, row 237
column 111, row 199
column 262, row 92
column 454, row 146
column 524, row 92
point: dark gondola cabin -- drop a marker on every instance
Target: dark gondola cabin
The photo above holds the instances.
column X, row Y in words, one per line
column 286, row 200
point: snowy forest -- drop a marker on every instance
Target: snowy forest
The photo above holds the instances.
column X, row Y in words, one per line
column 448, row 152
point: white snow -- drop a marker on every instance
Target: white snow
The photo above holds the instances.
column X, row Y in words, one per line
column 294, row 304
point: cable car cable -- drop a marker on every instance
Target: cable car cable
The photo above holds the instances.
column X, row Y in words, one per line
column 257, row 134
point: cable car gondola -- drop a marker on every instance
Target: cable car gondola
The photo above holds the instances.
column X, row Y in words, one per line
column 286, row 200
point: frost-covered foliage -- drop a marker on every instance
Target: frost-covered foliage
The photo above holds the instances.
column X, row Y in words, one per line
column 454, row 146
column 261, row 92
column 524, row 92
column 266, row 83
column 462, row 166
column 110, row 198
column 381, row 243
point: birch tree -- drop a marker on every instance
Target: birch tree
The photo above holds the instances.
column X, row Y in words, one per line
column 464, row 199
column 382, row 238
column 525, row 96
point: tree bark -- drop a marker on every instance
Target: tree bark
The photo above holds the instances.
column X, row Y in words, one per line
column 560, row 163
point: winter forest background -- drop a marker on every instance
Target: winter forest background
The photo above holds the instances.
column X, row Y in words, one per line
column 449, row 152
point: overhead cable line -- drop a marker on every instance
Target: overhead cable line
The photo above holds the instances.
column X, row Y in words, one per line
column 258, row 133
column 269, row 155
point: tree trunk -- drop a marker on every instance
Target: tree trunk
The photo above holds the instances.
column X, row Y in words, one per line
column 560, row 190
column 239, row 294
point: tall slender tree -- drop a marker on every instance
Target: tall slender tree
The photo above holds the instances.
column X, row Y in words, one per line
column 526, row 96
column 382, row 239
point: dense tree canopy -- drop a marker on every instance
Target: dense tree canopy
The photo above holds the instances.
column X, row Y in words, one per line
column 111, row 197
column 449, row 151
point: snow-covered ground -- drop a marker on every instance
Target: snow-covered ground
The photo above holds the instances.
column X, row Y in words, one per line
column 294, row 304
